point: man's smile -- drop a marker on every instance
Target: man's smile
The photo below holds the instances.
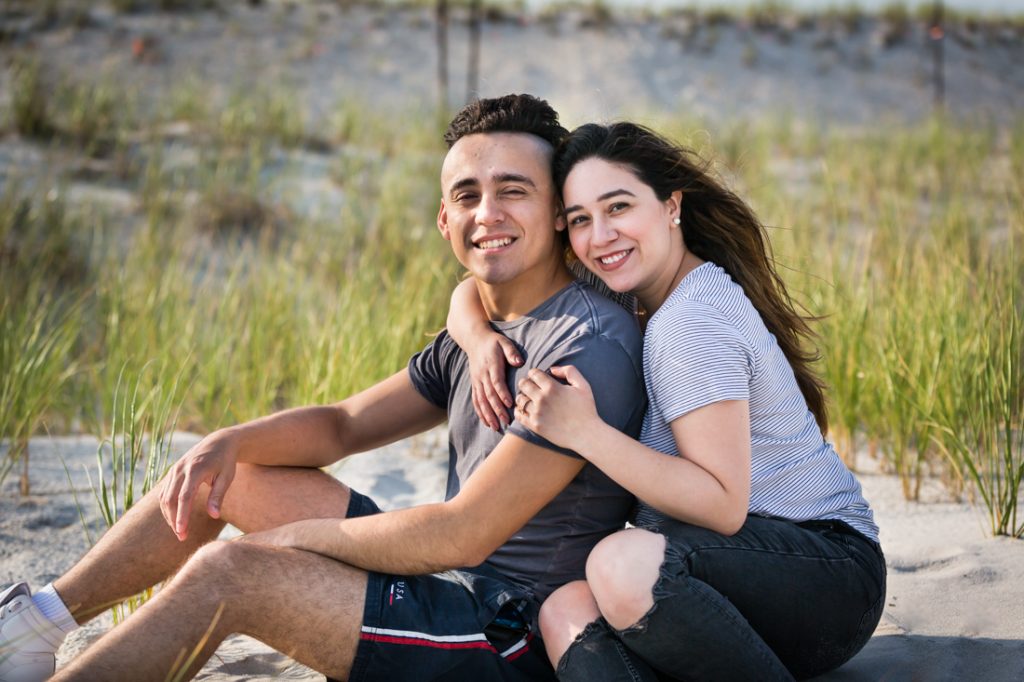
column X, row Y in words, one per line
column 493, row 243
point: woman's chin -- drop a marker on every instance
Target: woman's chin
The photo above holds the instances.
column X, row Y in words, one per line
column 614, row 281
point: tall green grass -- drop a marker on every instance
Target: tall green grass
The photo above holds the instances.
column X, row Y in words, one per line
column 906, row 243
column 904, row 240
column 40, row 323
column 36, row 343
column 144, row 415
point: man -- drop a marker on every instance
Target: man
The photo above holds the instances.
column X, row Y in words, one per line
column 320, row 575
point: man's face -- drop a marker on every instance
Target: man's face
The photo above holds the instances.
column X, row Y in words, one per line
column 498, row 205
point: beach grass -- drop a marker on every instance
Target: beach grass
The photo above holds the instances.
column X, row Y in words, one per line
column 134, row 457
column 904, row 240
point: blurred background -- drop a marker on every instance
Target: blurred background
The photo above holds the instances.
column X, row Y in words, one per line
column 210, row 210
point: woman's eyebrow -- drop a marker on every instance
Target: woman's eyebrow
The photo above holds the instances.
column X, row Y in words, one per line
column 606, row 195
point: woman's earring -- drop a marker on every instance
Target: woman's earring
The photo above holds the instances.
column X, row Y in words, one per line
column 677, row 221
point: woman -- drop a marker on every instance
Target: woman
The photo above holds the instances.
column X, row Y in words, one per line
column 755, row 554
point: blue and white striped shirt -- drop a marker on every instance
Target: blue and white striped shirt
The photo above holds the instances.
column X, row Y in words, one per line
column 707, row 343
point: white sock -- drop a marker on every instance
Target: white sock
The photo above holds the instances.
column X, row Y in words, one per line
column 49, row 602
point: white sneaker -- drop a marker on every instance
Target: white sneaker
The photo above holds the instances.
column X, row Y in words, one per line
column 28, row 640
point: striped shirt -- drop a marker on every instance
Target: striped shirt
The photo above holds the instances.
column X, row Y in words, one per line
column 706, row 344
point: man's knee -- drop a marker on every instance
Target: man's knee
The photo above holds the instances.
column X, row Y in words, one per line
column 622, row 570
column 217, row 566
column 206, row 559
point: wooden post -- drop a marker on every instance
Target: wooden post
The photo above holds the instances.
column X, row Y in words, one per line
column 442, row 54
column 19, row 448
column 473, row 67
column 937, row 34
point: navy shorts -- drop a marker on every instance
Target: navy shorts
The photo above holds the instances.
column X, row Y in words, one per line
column 456, row 626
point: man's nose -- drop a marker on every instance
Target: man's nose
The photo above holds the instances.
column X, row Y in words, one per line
column 488, row 211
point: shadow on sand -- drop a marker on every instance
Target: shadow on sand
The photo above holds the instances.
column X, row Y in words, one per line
column 930, row 659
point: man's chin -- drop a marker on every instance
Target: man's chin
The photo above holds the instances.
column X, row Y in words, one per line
column 492, row 276
column 493, row 279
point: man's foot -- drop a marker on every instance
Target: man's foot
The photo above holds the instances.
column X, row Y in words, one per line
column 28, row 640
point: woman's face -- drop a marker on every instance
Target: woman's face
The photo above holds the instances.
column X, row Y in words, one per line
column 621, row 231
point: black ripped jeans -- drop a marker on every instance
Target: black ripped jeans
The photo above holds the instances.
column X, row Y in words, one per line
column 776, row 601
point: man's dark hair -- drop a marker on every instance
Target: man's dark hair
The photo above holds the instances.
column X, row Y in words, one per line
column 507, row 114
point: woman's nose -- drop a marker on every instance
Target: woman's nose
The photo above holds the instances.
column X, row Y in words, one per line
column 603, row 232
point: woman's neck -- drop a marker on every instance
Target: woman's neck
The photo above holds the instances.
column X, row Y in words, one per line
column 652, row 300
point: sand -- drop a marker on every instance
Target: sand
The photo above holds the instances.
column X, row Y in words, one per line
column 953, row 610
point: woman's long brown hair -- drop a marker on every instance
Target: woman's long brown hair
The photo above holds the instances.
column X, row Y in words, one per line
column 717, row 225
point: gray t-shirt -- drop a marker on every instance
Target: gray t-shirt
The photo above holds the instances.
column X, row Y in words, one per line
column 575, row 326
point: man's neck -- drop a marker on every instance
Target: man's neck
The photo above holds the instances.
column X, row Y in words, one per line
column 513, row 299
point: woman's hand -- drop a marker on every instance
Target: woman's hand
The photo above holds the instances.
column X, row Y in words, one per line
column 487, row 369
column 487, row 350
column 558, row 411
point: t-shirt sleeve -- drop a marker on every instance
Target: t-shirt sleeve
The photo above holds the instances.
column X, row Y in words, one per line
column 696, row 357
column 427, row 370
column 613, row 378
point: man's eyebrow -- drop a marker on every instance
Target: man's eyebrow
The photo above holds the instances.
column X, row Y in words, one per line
column 514, row 177
column 460, row 184
column 606, row 195
column 498, row 179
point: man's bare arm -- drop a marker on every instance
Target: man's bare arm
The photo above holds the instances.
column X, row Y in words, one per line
column 321, row 435
column 305, row 437
column 510, row 487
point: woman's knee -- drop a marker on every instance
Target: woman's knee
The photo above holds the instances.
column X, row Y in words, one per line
column 564, row 615
column 622, row 571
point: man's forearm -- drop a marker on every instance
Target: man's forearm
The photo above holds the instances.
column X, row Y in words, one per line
column 303, row 436
column 515, row 482
column 432, row 538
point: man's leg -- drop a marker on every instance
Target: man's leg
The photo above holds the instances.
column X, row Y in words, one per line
column 305, row 605
column 140, row 550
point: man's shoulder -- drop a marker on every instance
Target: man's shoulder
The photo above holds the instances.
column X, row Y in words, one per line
column 586, row 328
column 597, row 315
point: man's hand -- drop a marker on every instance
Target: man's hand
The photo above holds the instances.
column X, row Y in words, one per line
column 211, row 461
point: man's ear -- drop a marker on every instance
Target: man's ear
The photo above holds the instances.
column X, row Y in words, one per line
column 442, row 221
column 559, row 218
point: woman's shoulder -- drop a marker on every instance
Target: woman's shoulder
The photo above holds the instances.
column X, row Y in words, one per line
column 710, row 283
column 699, row 318
column 708, row 296
column 696, row 302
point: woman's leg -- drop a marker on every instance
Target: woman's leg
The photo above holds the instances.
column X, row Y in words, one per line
column 579, row 642
column 772, row 601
